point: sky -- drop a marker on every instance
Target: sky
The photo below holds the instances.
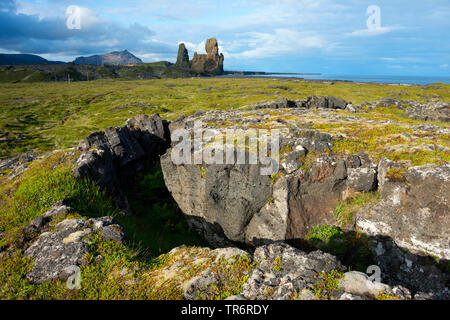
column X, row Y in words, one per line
column 398, row 37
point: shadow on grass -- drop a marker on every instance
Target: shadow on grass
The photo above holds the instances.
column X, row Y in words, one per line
column 157, row 224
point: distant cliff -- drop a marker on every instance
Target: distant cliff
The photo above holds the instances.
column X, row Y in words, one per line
column 114, row 58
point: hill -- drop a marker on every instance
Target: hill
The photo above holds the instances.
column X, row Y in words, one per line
column 24, row 59
column 113, row 58
column 88, row 72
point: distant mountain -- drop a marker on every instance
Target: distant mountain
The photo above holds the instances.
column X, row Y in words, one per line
column 113, row 58
column 24, row 59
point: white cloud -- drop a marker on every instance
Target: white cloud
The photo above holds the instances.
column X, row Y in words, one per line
column 282, row 41
column 401, row 59
column 372, row 32
column 396, row 66
column 153, row 57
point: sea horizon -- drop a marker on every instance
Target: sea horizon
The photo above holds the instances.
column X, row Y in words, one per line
column 391, row 79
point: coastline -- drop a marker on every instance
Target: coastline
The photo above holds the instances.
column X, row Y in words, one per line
column 413, row 81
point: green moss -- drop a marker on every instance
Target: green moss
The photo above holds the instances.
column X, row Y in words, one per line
column 385, row 296
column 203, row 172
column 47, row 181
column 328, row 285
column 270, row 200
column 324, row 233
column 346, row 209
column 275, row 176
column 277, row 263
column 231, row 278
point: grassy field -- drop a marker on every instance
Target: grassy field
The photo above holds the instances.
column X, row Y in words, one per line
column 48, row 116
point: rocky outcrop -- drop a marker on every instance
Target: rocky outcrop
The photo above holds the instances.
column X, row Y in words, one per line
column 284, row 271
column 182, row 57
column 111, row 157
column 56, row 251
column 218, row 200
column 418, row 272
column 234, row 203
column 17, row 165
column 435, row 110
column 312, row 102
column 211, row 62
column 323, row 102
column 414, row 210
column 13, row 162
column 274, row 104
column 431, row 111
column 277, row 272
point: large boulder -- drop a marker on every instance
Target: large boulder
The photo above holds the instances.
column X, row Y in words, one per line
column 235, row 203
column 211, row 62
column 111, row 157
column 218, row 200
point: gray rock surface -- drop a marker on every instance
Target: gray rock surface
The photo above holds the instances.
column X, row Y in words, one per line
column 283, row 271
column 418, row 273
column 58, row 208
column 218, row 200
column 431, row 111
column 312, row 102
column 414, row 210
column 235, row 203
column 362, row 179
column 56, row 251
column 199, row 286
column 111, row 157
column 10, row 163
column 358, row 283
column 325, row 102
column 274, row 104
column 17, row 165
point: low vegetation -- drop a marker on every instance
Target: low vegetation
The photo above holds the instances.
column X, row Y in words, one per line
column 346, row 209
column 352, row 248
column 156, row 227
column 327, row 284
column 49, row 116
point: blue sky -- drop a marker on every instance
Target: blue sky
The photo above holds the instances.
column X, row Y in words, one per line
column 325, row 36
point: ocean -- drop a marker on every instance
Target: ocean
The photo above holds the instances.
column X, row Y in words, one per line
column 377, row 79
